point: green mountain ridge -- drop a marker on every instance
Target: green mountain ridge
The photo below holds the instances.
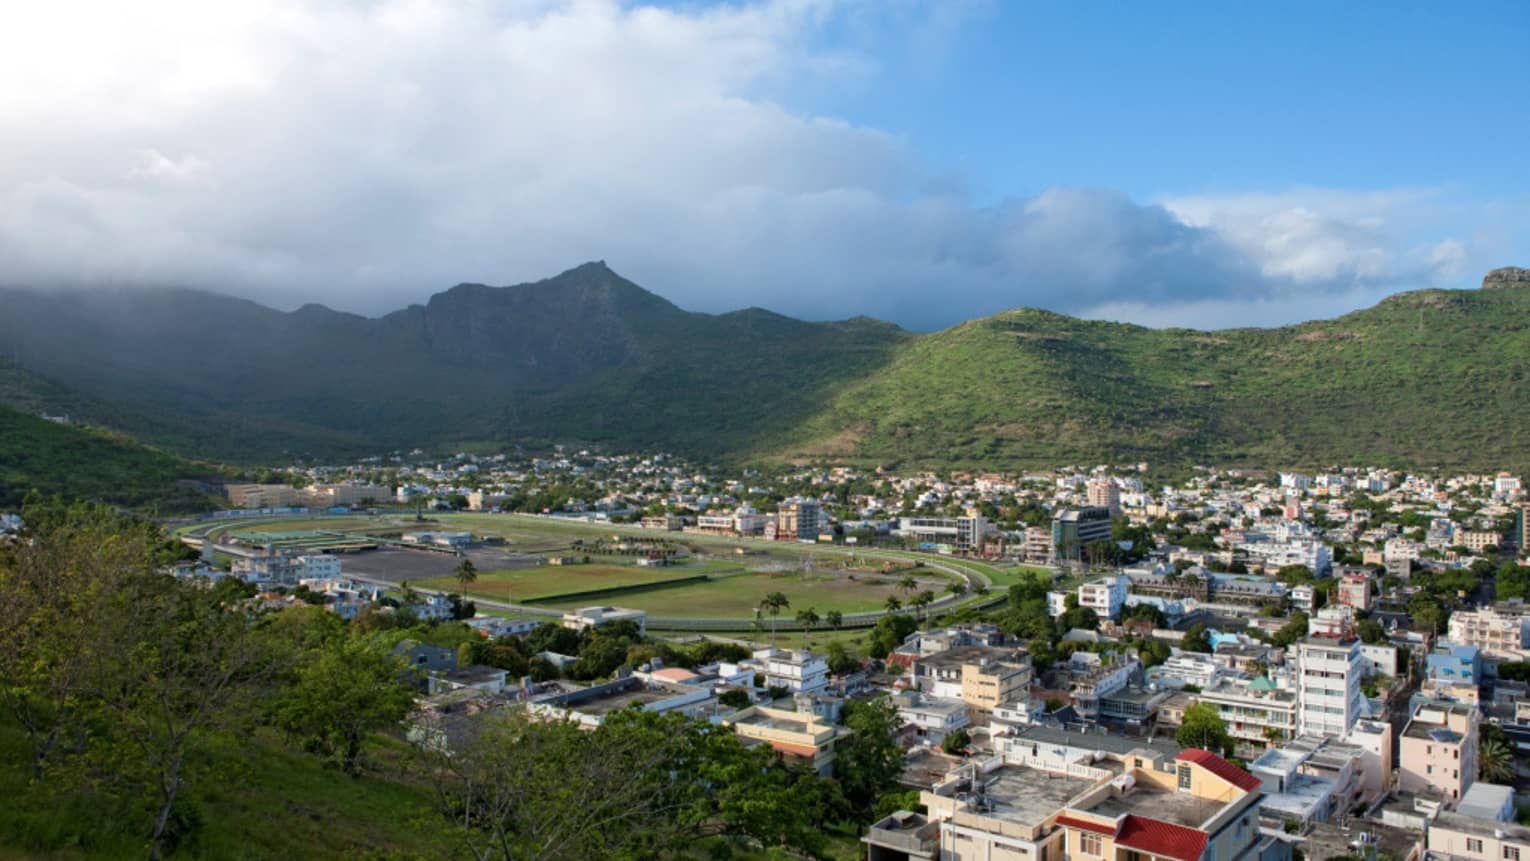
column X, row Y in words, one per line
column 1432, row 378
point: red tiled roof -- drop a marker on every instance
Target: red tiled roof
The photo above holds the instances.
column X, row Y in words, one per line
column 1161, row 838
column 1220, row 767
column 1086, row 825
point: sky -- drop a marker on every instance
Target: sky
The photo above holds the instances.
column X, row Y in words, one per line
column 1188, row 164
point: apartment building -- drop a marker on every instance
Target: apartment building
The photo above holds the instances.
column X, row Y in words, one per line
column 1498, row 632
column 799, row 519
column 1256, row 713
column 799, row 736
column 1454, row 836
column 1197, row 806
column 261, row 495
column 1453, row 673
column 1354, row 590
column 981, row 676
column 1104, row 493
column 1329, row 672
column 1189, row 668
column 799, row 671
column 1105, row 596
column 1438, row 749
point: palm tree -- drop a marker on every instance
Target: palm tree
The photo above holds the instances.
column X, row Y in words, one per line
column 908, row 584
column 923, row 601
column 893, row 604
column 807, row 619
column 959, row 588
column 773, row 604
column 1495, row 762
column 467, row 575
column 835, row 618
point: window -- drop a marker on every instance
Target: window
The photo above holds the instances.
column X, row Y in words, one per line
column 1473, row 844
column 1511, row 853
column 1089, row 844
column 1184, row 777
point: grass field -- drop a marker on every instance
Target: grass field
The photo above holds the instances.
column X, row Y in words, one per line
column 736, row 597
column 529, row 584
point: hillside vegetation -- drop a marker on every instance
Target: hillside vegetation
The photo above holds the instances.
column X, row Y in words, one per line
column 1431, row 378
column 83, row 463
column 1425, row 379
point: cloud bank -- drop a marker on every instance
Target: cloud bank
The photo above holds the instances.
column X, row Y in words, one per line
column 366, row 154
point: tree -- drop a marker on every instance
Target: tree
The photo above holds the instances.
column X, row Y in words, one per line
column 1204, row 728
column 1197, row 639
column 870, row 761
column 467, row 575
column 834, row 618
column 350, row 687
column 955, row 743
column 922, row 601
column 908, row 584
column 1081, row 617
column 1495, row 760
column 1371, row 631
column 807, row 619
column 1291, row 631
column 893, row 604
column 773, row 604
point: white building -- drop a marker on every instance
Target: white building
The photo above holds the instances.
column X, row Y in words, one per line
column 1105, row 596
column 1497, row 633
column 1328, row 684
column 1191, row 668
column 960, row 533
column 800, row 672
column 594, row 617
column 318, row 566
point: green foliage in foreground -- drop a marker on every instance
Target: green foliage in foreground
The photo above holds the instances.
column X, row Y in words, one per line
column 39, row 455
column 141, row 715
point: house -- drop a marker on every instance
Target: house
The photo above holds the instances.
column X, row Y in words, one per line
column 934, row 717
column 798, row 671
column 798, row 736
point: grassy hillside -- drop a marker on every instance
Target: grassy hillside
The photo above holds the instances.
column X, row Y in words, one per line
column 1431, row 378
column 83, row 463
column 272, row 802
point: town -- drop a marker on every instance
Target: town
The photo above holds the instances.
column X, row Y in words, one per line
column 1073, row 664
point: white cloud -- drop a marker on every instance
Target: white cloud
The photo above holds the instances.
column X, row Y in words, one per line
column 369, row 152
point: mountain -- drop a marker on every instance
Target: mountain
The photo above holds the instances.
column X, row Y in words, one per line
column 586, row 355
column 1429, row 378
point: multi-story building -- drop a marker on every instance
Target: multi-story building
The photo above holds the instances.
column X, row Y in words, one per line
column 934, row 717
column 1197, row 807
column 261, row 495
column 1105, row 596
column 1074, row 529
column 1257, row 714
column 959, row 533
column 798, row 519
column 981, row 676
column 800, row 736
column 1105, row 493
column 1190, row 668
column 1456, row 837
column 1478, row 541
column 799, row 671
column 1498, row 633
column 1038, row 544
column 1453, row 673
column 1329, row 672
column 1439, row 749
column 1354, row 590
column 1093, row 677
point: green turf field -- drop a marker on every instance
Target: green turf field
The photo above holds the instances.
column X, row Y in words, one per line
column 736, row 597
column 529, row 584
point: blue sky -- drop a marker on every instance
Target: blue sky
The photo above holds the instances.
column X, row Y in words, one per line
column 1199, row 164
column 1161, row 98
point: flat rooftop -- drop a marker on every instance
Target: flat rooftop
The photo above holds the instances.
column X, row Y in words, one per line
column 796, row 723
column 1148, row 800
column 617, row 701
column 927, row 768
column 1029, row 795
column 959, row 655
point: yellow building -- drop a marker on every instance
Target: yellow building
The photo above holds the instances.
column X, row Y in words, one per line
column 801, row 736
column 989, row 684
